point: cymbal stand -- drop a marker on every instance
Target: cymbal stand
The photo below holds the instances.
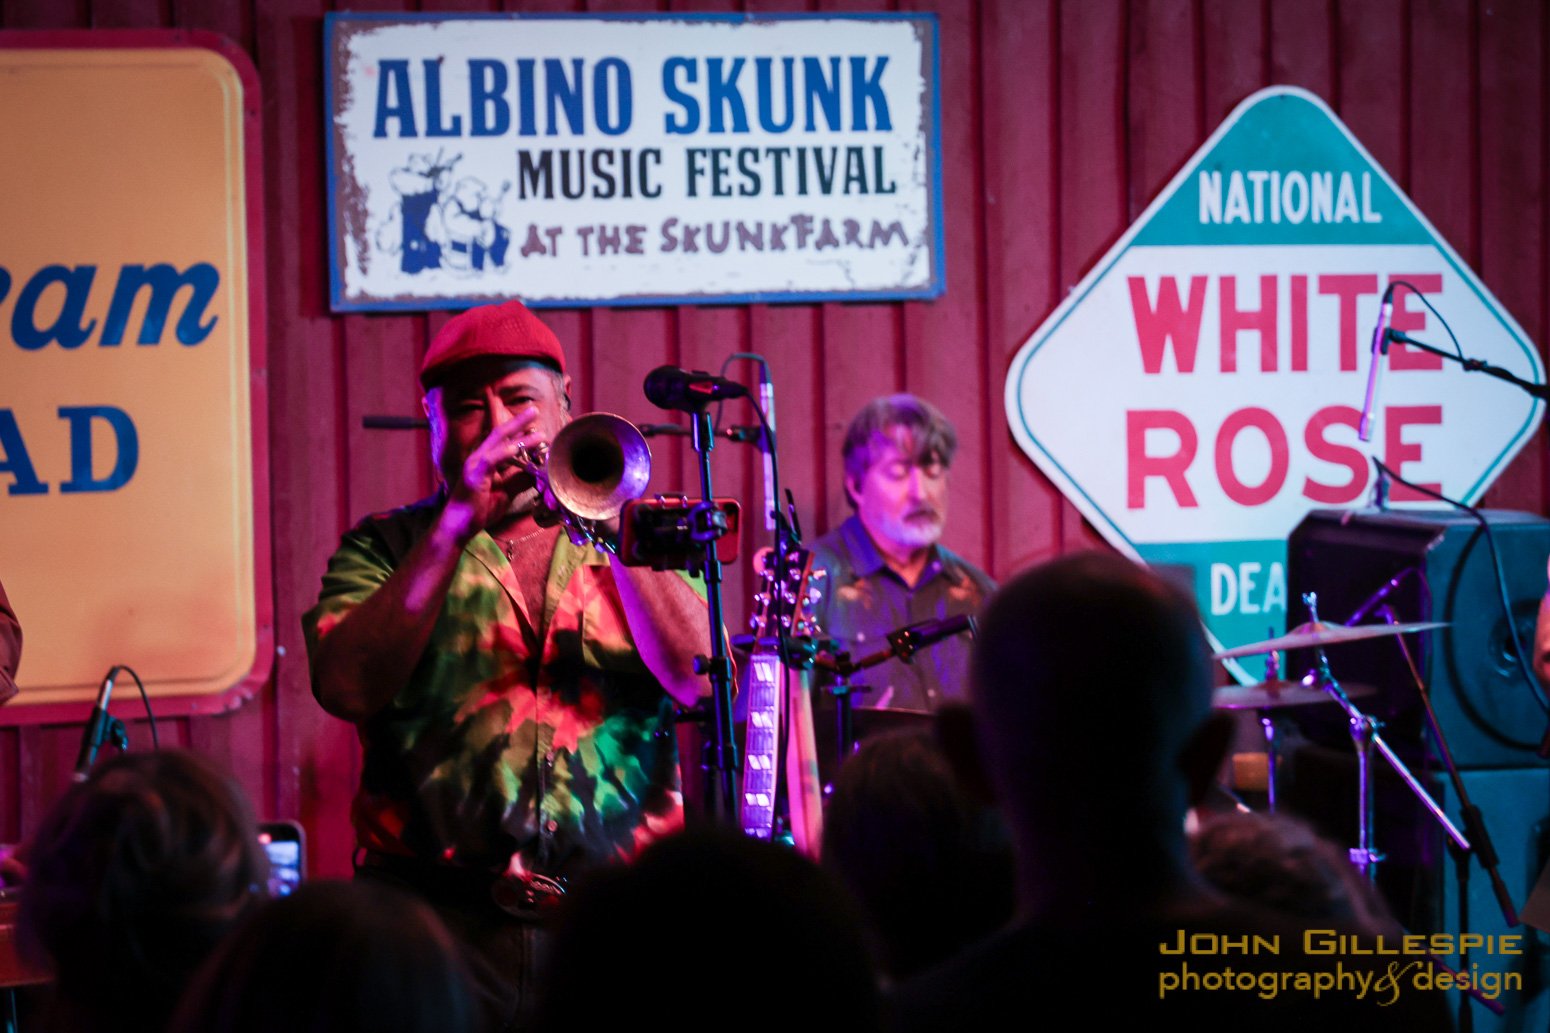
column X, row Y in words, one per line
column 1267, row 721
column 839, row 668
column 1484, row 849
column 1366, row 737
column 903, row 643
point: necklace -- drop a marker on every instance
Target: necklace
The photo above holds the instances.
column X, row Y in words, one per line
column 509, row 545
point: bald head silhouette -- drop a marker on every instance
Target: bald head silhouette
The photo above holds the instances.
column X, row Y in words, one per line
column 1092, row 706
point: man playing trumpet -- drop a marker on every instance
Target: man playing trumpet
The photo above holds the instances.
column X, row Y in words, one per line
column 513, row 691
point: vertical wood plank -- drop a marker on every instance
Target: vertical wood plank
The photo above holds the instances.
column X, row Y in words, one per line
column 316, row 764
column 791, row 338
column 1234, row 58
column 385, row 468
column 1093, row 163
column 1163, row 96
column 231, row 18
column 1301, row 47
column 1512, row 69
column 36, row 14
column 1020, row 86
column 862, row 349
column 944, row 360
column 130, row 14
column 1372, row 80
column 13, row 787
column 1444, row 118
column 32, row 796
column 56, row 746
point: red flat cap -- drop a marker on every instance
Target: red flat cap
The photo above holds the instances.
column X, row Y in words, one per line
column 508, row 330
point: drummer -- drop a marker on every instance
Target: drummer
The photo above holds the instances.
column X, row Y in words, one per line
column 886, row 568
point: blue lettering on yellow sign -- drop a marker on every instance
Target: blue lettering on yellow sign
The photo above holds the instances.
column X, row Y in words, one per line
column 69, row 327
column 128, row 451
column 16, row 461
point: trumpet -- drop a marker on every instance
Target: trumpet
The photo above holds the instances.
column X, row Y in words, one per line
column 596, row 464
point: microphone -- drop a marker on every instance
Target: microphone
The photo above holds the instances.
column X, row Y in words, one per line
column 767, row 403
column 1371, row 602
column 669, row 387
column 906, row 641
column 97, row 729
column 1380, row 349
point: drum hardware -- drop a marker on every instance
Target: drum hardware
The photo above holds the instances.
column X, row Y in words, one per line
column 903, row 643
column 1273, row 694
column 1278, row 695
column 1366, row 736
column 1319, row 685
column 1366, row 739
column 1270, row 696
column 1316, row 634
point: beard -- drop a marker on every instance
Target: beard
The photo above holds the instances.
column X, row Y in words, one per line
column 919, row 530
column 523, row 502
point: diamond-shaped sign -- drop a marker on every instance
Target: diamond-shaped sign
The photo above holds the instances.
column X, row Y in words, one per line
column 1200, row 390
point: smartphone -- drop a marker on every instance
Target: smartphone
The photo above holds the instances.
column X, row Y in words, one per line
column 286, row 846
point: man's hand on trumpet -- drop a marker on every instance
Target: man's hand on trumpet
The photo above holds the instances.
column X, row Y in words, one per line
column 488, row 428
column 496, row 482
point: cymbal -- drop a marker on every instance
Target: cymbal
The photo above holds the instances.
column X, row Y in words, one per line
column 1309, row 635
column 870, row 721
column 1273, row 695
column 867, row 723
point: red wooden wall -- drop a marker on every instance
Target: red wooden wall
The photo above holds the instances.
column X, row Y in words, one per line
column 1061, row 119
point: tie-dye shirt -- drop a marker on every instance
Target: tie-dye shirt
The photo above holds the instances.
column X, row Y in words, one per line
column 536, row 741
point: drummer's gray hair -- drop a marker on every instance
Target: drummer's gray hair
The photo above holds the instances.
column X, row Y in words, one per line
column 927, row 436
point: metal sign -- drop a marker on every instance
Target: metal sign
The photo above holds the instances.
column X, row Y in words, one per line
column 133, row 466
column 1200, row 390
column 631, row 160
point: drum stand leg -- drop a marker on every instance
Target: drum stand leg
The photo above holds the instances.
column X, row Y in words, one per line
column 1267, row 721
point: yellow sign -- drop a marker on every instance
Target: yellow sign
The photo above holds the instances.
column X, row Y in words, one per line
column 127, row 431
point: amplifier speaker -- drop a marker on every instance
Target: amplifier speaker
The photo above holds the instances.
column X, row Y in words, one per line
column 1441, row 570
column 1419, row 875
column 1516, row 807
column 1487, row 711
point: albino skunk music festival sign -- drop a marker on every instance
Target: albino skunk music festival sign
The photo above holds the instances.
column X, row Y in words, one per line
column 1200, row 390
column 630, row 160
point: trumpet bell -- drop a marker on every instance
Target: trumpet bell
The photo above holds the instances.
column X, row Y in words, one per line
column 597, row 463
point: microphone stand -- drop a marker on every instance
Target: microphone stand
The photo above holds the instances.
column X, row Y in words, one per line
column 1474, row 820
column 1476, row 840
column 707, row 524
column 1540, row 391
column 903, row 643
column 710, row 523
column 102, row 727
